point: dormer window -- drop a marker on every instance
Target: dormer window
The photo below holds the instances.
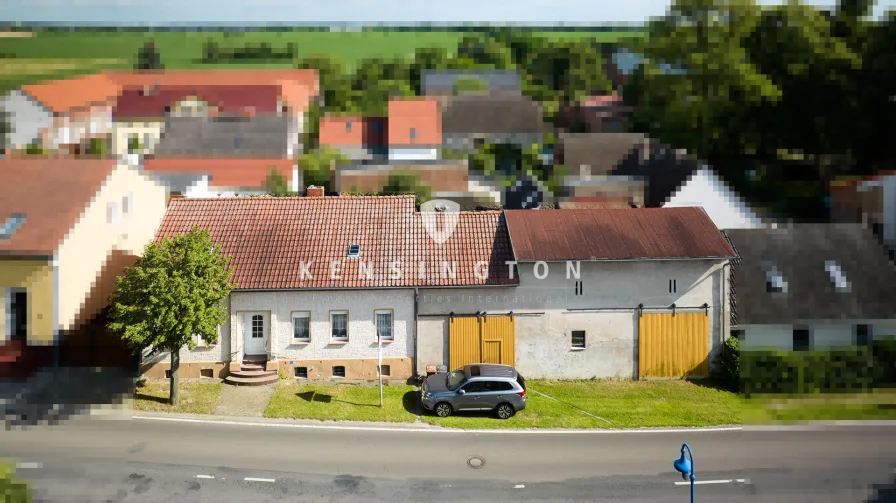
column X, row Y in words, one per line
column 11, row 225
column 354, row 251
column 774, row 280
column 837, row 276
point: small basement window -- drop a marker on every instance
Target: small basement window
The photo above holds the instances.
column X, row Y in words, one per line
column 385, row 370
column 301, row 372
column 354, row 251
column 863, row 335
column 801, row 339
column 578, row 339
column 738, row 334
column 168, row 374
column 207, row 373
column 339, row 371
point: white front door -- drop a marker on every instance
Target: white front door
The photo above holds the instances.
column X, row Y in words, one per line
column 254, row 334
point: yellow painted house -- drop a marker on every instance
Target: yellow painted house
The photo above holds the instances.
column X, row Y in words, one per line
column 68, row 227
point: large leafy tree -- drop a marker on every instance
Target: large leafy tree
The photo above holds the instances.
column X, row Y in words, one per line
column 696, row 78
column 172, row 296
column 148, row 57
column 334, row 84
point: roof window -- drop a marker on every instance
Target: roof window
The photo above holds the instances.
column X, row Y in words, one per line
column 354, row 251
column 774, row 280
column 837, row 276
column 11, row 225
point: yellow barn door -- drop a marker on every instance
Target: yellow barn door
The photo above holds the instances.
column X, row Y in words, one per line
column 488, row 339
column 673, row 345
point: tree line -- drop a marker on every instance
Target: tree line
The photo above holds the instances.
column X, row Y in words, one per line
column 780, row 99
column 213, row 52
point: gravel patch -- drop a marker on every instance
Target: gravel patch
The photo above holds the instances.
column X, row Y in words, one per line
column 244, row 401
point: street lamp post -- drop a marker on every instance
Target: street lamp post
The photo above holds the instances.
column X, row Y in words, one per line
column 686, row 468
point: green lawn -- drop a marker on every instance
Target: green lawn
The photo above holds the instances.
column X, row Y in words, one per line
column 625, row 404
column 183, row 49
column 861, row 406
column 193, row 397
column 342, row 403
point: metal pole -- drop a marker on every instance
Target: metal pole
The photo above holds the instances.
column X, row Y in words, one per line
column 691, row 475
column 379, row 367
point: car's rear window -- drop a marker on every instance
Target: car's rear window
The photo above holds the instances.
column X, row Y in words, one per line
column 521, row 381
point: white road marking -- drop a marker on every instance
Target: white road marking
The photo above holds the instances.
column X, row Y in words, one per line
column 519, row 486
column 28, row 465
column 252, row 479
column 205, row 476
column 727, row 481
column 437, row 430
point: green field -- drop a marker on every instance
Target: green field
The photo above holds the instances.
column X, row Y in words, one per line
column 51, row 55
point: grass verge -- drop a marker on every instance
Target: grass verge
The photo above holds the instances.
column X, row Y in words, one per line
column 194, row 397
column 343, row 403
column 875, row 405
column 625, row 404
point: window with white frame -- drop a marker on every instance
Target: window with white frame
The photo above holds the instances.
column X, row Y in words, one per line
column 301, row 327
column 383, row 324
column 339, row 325
column 111, row 213
column 127, row 204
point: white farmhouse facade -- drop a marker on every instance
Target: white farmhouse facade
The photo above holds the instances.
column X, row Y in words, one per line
column 348, row 280
column 548, row 308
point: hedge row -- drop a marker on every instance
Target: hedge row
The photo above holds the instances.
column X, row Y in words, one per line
column 830, row 371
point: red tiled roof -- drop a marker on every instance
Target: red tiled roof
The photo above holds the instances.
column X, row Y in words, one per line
column 296, row 86
column 615, row 234
column 227, row 99
column 422, row 115
column 269, row 238
column 52, row 193
column 224, row 172
column 348, row 131
column 62, row 96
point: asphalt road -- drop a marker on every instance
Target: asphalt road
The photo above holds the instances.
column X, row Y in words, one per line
column 145, row 460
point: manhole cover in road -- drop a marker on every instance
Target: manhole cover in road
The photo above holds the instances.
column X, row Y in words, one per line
column 476, row 462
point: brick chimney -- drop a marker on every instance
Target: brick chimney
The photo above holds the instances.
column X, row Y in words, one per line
column 314, row 191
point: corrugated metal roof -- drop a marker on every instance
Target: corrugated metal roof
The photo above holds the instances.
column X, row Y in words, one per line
column 269, row 238
column 615, row 234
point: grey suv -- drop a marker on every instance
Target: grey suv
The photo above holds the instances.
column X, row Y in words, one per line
column 478, row 386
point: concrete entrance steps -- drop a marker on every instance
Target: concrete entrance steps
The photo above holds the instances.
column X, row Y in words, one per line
column 252, row 373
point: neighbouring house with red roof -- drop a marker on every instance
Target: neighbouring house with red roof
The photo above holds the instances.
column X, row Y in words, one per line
column 141, row 114
column 61, row 114
column 357, row 138
column 321, row 281
column 415, row 129
column 68, row 228
column 65, row 114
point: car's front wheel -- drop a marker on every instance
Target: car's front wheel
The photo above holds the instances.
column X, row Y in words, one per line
column 504, row 411
column 443, row 409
